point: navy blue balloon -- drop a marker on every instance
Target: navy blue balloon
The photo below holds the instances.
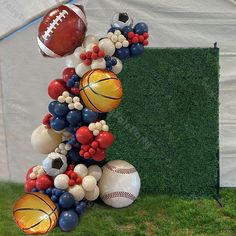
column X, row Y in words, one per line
column 122, row 53
column 79, row 209
column 66, row 200
column 113, row 29
column 70, row 83
column 75, row 77
column 34, row 190
column 140, row 28
column 51, row 107
column 73, row 156
column 68, row 220
column 49, row 191
column 114, row 61
column 89, row 116
column 58, row 208
column 136, row 49
column 58, row 124
column 109, row 63
column 54, row 198
column 74, row 117
column 61, row 109
column 126, row 30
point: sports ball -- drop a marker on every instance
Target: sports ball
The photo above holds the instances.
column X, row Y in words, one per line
column 120, row 184
column 55, row 164
column 45, row 140
column 62, row 30
column 35, row 214
column 101, row 90
column 121, row 19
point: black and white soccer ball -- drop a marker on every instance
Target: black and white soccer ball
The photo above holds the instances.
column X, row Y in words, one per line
column 55, row 164
column 121, row 19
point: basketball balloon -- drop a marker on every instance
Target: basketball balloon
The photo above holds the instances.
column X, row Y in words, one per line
column 101, row 90
column 35, row 214
column 62, row 30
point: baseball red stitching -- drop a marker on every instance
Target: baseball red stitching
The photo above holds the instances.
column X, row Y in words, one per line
column 118, row 194
column 119, row 170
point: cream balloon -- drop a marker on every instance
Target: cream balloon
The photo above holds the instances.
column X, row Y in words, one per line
column 61, row 181
column 89, row 48
column 81, row 170
column 118, row 67
column 120, row 184
column 73, row 61
column 78, row 51
column 77, row 191
column 98, row 64
column 90, row 39
column 107, row 46
column 89, row 183
column 95, row 171
column 45, row 140
column 81, row 69
column 92, row 195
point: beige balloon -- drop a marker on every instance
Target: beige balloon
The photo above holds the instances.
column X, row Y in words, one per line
column 45, row 140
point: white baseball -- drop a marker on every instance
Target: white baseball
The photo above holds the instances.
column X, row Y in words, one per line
column 120, row 184
column 77, row 191
column 81, row 170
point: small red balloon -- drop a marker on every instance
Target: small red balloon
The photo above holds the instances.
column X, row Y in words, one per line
column 75, row 91
column 67, row 73
column 56, row 88
column 84, row 135
column 100, row 154
column 105, row 139
column 29, row 185
column 43, row 182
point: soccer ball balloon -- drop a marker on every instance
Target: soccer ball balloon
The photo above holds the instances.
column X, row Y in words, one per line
column 120, row 20
column 55, row 164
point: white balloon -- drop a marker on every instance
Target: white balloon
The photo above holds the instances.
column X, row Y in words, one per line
column 73, row 60
column 45, row 140
column 98, row 64
column 89, row 183
column 78, row 51
column 90, row 39
column 107, row 46
column 77, row 191
column 89, row 48
column 118, row 67
column 120, row 184
column 95, row 171
column 81, row 170
column 61, row 181
column 92, row 195
column 81, row 69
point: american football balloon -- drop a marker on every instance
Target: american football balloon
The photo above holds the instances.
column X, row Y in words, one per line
column 62, row 30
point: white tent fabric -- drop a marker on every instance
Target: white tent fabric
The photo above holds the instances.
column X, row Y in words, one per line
column 25, row 74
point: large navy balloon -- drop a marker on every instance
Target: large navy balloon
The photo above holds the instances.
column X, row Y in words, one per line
column 74, row 117
column 58, row 124
column 66, row 200
column 68, row 220
column 89, row 116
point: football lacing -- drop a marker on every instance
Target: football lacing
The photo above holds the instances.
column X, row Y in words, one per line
column 47, row 33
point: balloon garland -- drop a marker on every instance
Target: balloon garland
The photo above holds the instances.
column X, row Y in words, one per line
column 74, row 133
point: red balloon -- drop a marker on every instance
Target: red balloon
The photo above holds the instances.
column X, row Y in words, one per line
column 27, row 177
column 100, row 154
column 29, row 185
column 62, row 30
column 105, row 139
column 43, row 182
column 67, row 73
column 84, row 135
column 56, row 88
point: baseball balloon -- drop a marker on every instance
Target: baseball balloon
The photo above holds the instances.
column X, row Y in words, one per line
column 45, row 140
column 107, row 46
column 92, row 195
column 62, row 30
column 120, row 184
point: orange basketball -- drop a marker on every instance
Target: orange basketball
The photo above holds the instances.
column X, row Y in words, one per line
column 35, row 214
column 101, row 90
